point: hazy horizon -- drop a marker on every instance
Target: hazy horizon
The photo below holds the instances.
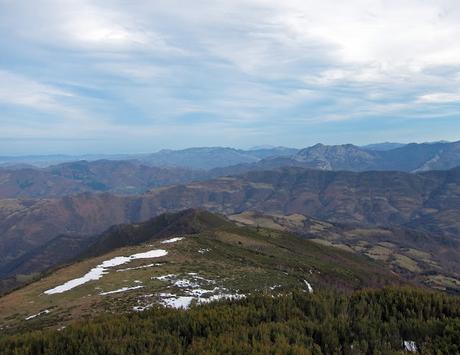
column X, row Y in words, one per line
column 249, row 148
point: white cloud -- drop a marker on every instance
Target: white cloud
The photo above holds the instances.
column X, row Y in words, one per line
column 408, row 33
column 19, row 90
column 81, row 25
column 440, row 98
column 242, row 63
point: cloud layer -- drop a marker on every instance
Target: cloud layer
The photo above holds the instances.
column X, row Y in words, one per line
column 154, row 74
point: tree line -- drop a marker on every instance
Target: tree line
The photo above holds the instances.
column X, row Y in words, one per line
column 363, row 322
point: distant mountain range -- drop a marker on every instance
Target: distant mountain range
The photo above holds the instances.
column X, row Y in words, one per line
column 120, row 177
column 213, row 157
column 409, row 158
column 199, row 164
column 203, row 158
column 381, row 156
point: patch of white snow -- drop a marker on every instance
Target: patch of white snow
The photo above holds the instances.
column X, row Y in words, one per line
column 173, row 301
column 309, row 287
column 410, row 346
column 123, row 289
column 221, row 296
column 38, row 314
column 97, row 272
column 172, row 240
column 193, row 291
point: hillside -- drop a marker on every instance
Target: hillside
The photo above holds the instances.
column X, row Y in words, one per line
column 199, row 257
column 427, row 202
column 393, row 321
column 416, row 256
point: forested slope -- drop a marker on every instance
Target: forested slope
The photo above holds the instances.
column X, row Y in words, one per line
column 389, row 321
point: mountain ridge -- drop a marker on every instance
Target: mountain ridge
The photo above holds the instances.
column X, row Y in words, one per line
column 427, row 202
column 219, row 255
column 130, row 177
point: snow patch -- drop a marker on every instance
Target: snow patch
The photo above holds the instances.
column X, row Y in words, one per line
column 410, row 346
column 184, row 302
column 156, row 253
column 193, row 290
column 202, row 251
column 173, row 301
column 100, row 270
column 227, row 296
column 46, row 311
column 123, row 289
column 172, row 240
column 309, row 287
column 184, row 283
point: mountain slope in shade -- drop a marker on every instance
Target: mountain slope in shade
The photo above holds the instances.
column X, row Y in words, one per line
column 70, row 247
column 204, row 257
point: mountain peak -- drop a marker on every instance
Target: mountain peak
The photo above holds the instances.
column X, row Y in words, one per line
column 189, row 221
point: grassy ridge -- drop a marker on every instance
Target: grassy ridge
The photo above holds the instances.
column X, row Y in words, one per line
column 243, row 260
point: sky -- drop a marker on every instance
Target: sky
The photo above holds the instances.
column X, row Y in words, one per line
column 82, row 76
